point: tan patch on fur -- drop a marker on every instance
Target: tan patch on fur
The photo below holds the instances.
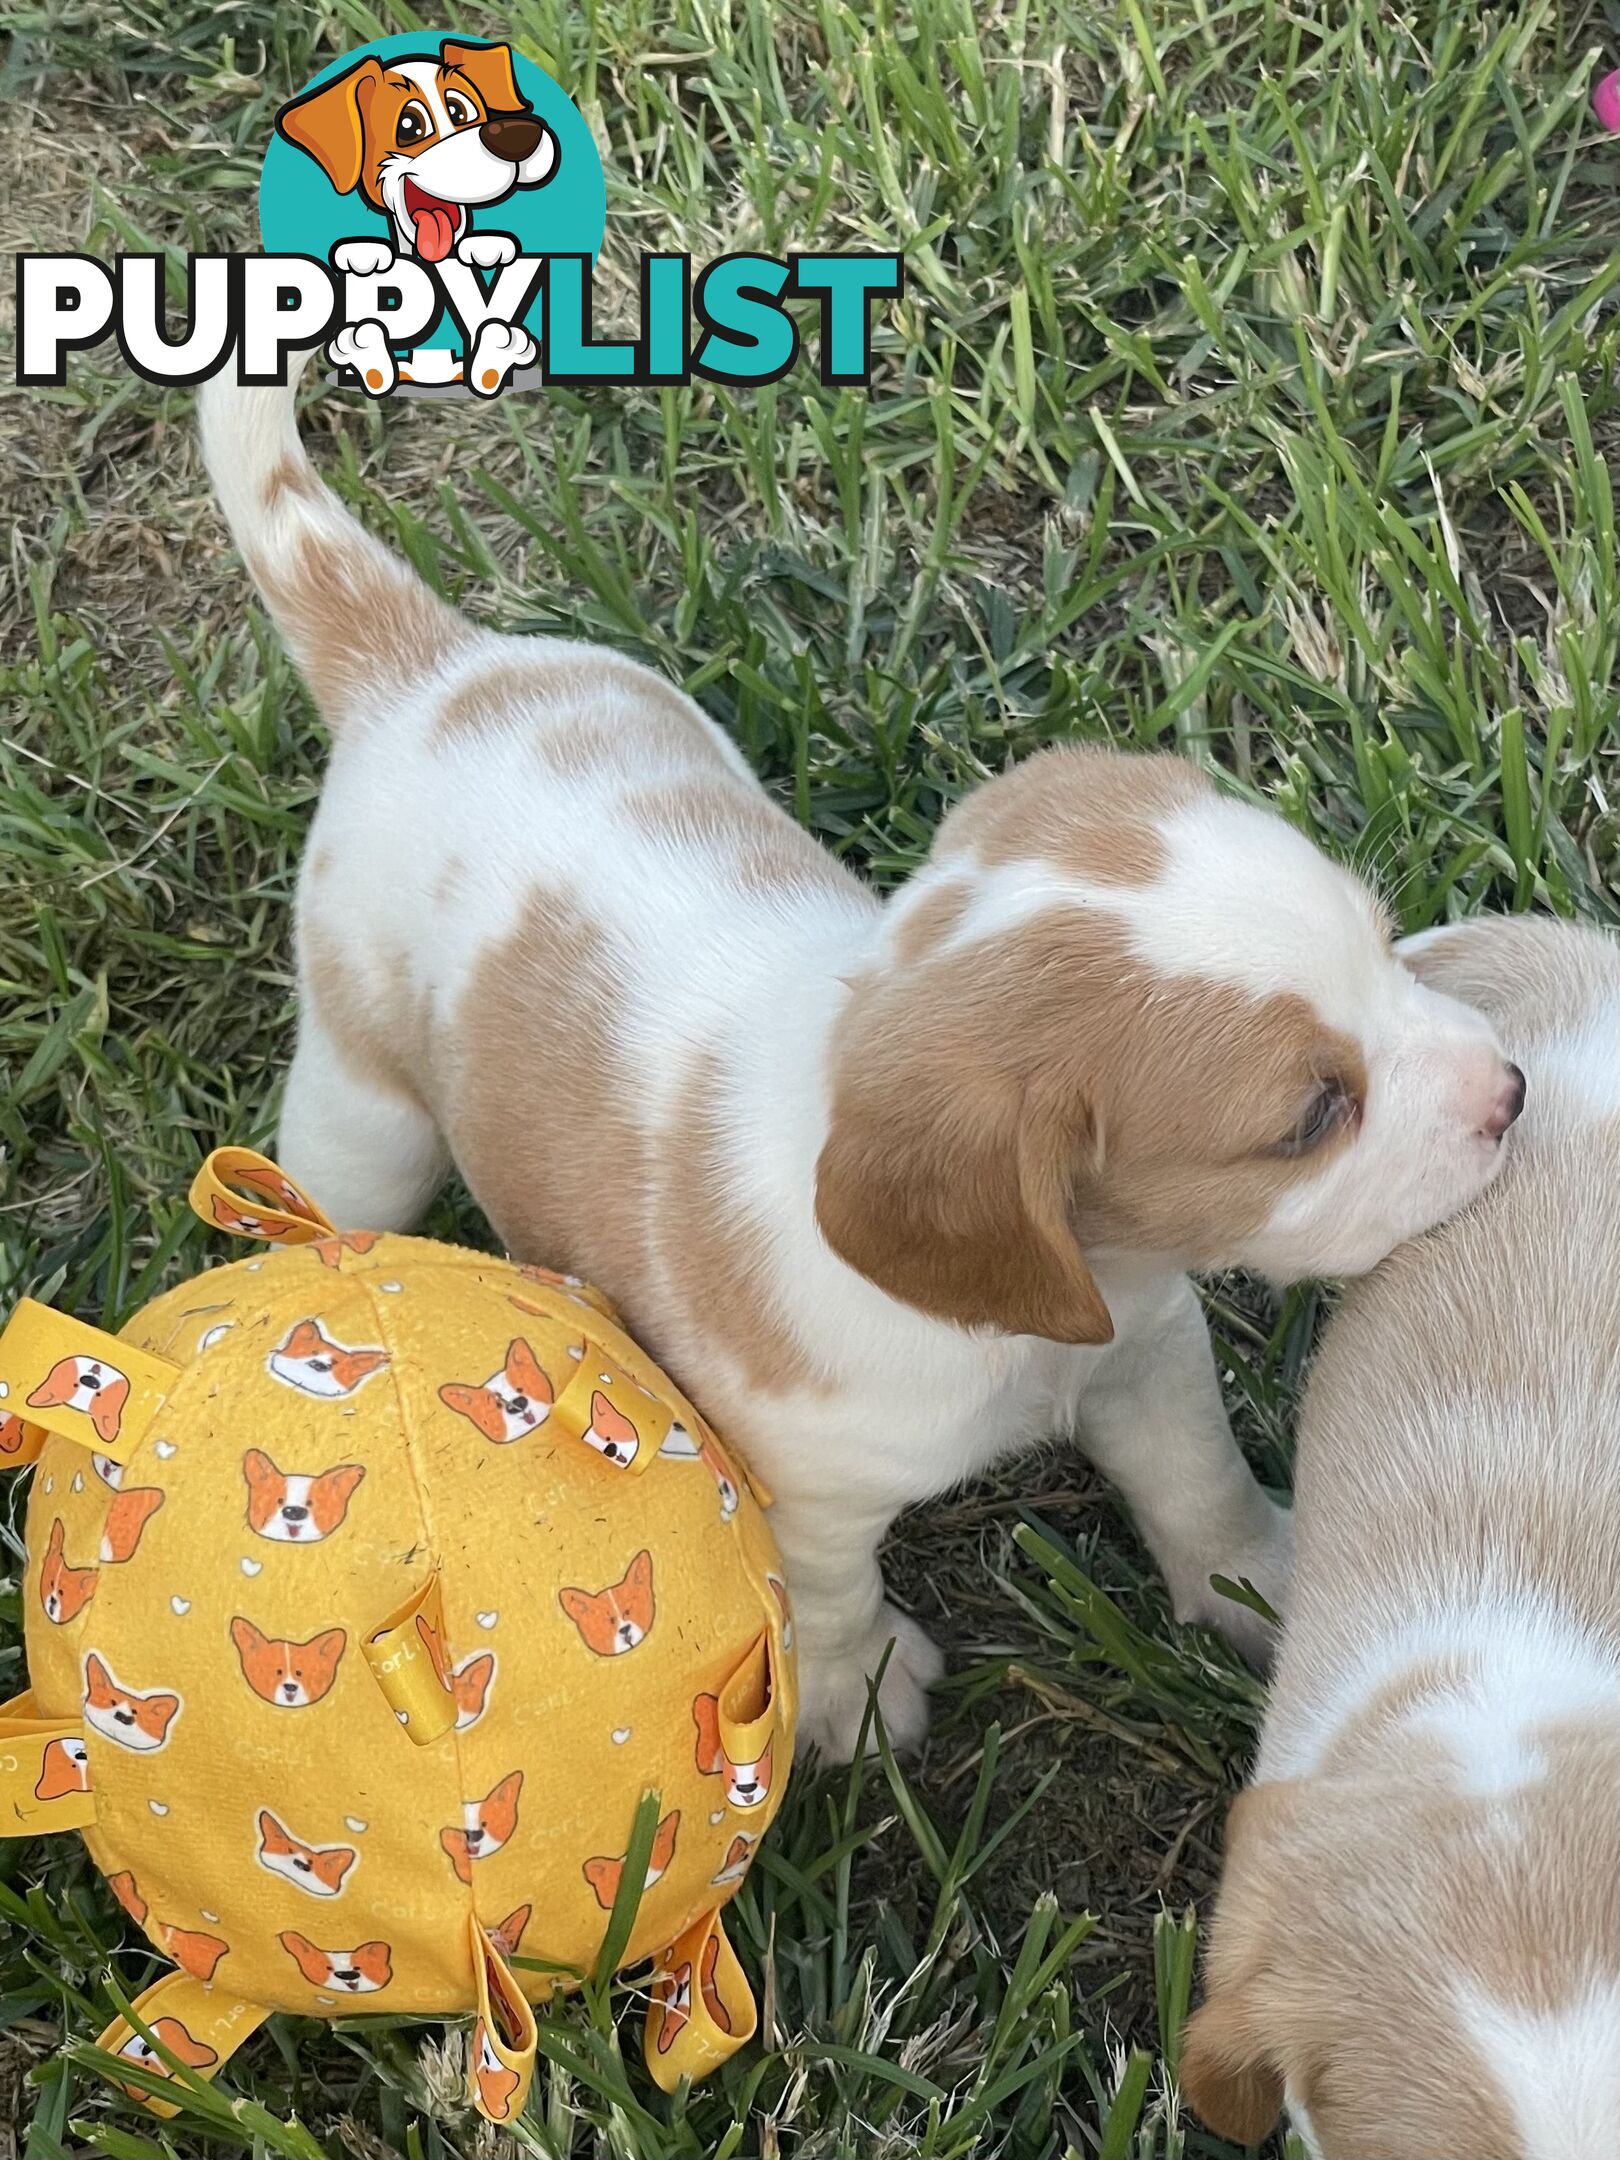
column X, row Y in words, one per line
column 353, row 617
column 290, row 476
column 734, row 822
column 382, row 1024
column 928, row 922
column 1085, row 809
column 719, row 1259
column 997, row 1112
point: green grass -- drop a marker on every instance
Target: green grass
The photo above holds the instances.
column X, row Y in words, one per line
column 1251, row 395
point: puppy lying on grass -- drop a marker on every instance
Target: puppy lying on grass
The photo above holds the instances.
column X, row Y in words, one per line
column 894, row 1191
column 1417, row 1942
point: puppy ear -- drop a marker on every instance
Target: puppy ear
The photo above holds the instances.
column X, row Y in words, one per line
column 948, row 1180
column 328, row 123
column 489, row 69
column 1225, row 2076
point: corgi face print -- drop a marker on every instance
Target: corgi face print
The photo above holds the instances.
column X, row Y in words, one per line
column 470, row 1684
column 508, row 1936
column 611, row 1433
column 724, row 1483
column 64, row 1591
column 318, row 1869
column 128, row 1514
column 290, row 1508
column 124, row 1889
column 616, row 1619
column 196, row 1954
column 13, row 1435
column 497, row 2086
column 141, row 1723
column 487, row 1824
column 110, row 1472
column 738, row 1854
column 605, row 1875
column 673, row 1992
column 291, row 1675
column 341, row 1972
column 330, row 1250
column 511, row 1403
column 311, row 1361
column 174, row 2036
column 748, row 1784
column 64, row 1768
column 98, row 1389
column 242, row 1223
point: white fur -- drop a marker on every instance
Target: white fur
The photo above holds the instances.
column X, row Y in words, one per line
column 913, row 1405
column 1560, row 2069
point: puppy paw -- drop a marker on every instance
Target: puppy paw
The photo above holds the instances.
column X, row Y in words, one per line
column 834, row 1691
column 500, row 349
column 365, row 349
column 363, row 258
column 1266, row 1560
column 486, row 250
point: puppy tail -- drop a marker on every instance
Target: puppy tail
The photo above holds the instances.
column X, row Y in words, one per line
column 356, row 619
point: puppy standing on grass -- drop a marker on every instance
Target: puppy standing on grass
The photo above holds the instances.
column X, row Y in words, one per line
column 895, row 1190
column 1417, row 1941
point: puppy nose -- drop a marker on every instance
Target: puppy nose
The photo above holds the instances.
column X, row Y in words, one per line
column 296, row 1514
column 1508, row 1103
column 512, row 136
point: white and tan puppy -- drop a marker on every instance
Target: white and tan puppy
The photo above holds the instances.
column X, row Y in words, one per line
column 894, row 1190
column 1417, row 1940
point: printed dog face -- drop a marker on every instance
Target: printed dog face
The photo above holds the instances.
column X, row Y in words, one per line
column 425, row 139
column 1120, row 1012
column 674, row 1998
column 611, row 1433
column 318, row 1869
column 174, row 2036
column 141, row 1723
column 194, row 1953
column 128, row 1514
column 348, row 1972
column 290, row 1509
column 616, row 1619
column 605, row 1875
column 748, row 1784
column 312, row 1362
column 470, row 1685
column 511, row 1403
column 87, row 1384
column 64, row 1591
column 497, row 2086
column 487, row 1824
column 288, row 1675
column 508, row 1936
column 64, row 1768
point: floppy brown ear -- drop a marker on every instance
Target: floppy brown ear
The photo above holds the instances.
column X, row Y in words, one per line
column 328, row 123
column 489, row 69
column 948, row 1180
column 1234, row 2089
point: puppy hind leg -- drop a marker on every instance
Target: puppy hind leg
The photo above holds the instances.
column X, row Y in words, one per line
column 365, row 1151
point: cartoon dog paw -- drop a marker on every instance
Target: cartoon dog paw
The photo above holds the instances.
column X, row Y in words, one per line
column 363, row 258
column 501, row 349
column 487, row 250
column 365, row 349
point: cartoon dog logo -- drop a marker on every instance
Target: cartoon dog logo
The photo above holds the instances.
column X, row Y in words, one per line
column 487, row 1824
column 616, row 1619
column 318, row 1869
column 511, row 1403
column 87, row 1384
column 288, row 1675
column 605, row 1875
column 293, row 1509
column 425, row 140
column 139, row 1722
column 353, row 1972
column 748, row 1784
column 311, row 1361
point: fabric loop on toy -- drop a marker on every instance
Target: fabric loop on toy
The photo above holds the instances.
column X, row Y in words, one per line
column 610, row 1412
column 748, row 1709
column 701, row 2011
column 501, row 2065
column 44, row 1772
column 407, row 1659
column 245, row 1193
column 199, row 2026
column 79, row 1383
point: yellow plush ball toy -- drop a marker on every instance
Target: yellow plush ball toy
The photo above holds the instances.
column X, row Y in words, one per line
column 386, row 1610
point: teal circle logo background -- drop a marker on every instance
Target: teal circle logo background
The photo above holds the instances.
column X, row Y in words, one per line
column 301, row 213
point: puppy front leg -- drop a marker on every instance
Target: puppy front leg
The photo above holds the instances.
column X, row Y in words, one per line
column 1152, row 1420
column 843, row 1626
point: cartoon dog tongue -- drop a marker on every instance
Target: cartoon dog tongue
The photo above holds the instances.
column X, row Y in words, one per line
column 435, row 224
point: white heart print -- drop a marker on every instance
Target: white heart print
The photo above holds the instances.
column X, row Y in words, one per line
column 487, row 1620
column 621, row 1734
column 252, row 1567
column 164, row 1449
column 158, row 1807
column 353, row 1822
column 180, row 1606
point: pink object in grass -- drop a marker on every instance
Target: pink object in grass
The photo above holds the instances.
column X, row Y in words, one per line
column 1606, row 102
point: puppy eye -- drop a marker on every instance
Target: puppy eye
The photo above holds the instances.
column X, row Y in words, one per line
column 413, row 125
column 462, row 110
column 1323, row 1115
